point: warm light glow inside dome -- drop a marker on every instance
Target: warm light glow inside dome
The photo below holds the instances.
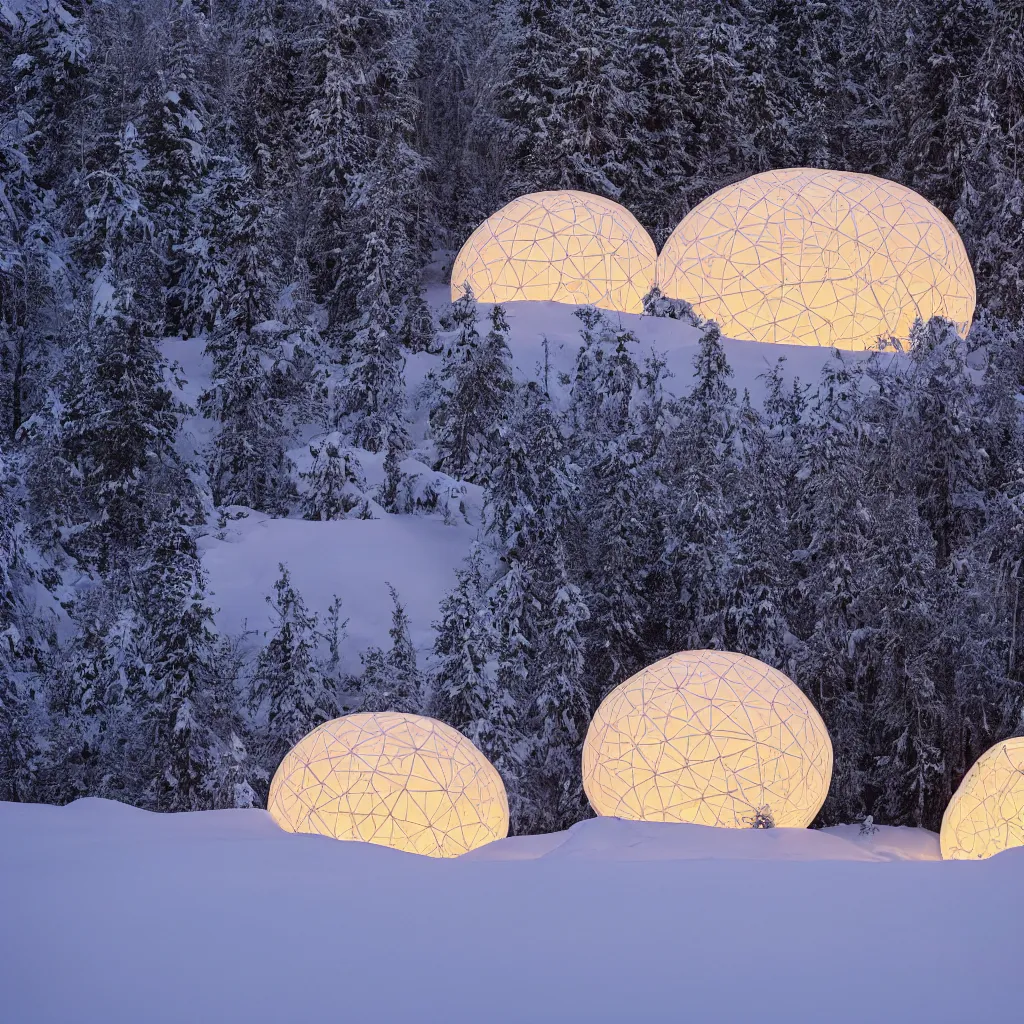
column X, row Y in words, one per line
column 813, row 257
column 563, row 246
column 708, row 737
column 986, row 814
column 396, row 780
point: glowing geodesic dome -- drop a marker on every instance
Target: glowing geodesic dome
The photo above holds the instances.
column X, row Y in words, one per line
column 564, row 246
column 811, row 257
column 708, row 737
column 986, row 814
column 396, row 780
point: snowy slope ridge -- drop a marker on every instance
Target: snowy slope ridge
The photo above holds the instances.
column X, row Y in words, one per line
column 219, row 915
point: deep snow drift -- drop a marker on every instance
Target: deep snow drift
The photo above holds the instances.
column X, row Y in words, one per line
column 109, row 914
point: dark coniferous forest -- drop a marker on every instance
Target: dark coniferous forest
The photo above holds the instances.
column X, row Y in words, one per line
column 270, row 178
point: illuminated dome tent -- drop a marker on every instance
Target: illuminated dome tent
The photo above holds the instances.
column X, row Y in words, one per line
column 708, row 737
column 564, row 246
column 809, row 257
column 396, row 780
column 986, row 814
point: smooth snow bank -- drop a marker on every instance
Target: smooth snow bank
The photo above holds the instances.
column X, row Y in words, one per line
column 110, row 914
column 889, row 843
column 615, row 839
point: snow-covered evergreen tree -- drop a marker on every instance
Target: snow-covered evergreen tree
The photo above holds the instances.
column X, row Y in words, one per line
column 756, row 613
column 476, row 384
column 118, row 425
column 463, row 647
column 229, row 271
column 561, row 704
column 703, row 464
column 289, row 686
column 181, row 705
column 335, row 483
column 391, row 680
column 533, row 483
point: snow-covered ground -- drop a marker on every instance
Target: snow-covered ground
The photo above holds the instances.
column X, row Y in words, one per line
column 353, row 558
column 418, row 555
column 110, row 914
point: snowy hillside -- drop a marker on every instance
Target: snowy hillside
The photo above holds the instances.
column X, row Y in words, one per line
column 357, row 559
column 113, row 915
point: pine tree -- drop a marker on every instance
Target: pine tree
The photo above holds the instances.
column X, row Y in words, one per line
column 755, row 618
column 55, row 55
column 476, row 384
column 42, row 60
column 374, row 395
column 463, row 647
column 335, row 482
column 117, row 220
column 247, row 460
column 391, row 680
column 174, row 131
column 260, row 371
column 118, row 427
column 898, row 678
column 463, row 57
column 996, row 199
column 229, row 270
column 364, row 161
column 335, row 140
column 419, row 333
column 569, row 96
column 178, row 702
column 723, row 33
column 561, row 705
column 21, row 724
column 830, row 523
column 947, row 456
column 933, row 100
column 289, row 686
column 702, row 461
column 661, row 150
column 533, row 483
column 624, row 545
column 467, row 692
column 275, row 91
column 527, row 95
column 93, row 741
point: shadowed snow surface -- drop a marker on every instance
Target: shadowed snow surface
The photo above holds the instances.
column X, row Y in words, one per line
column 111, row 914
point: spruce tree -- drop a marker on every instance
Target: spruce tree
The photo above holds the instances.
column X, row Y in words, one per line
column 182, row 751
column 335, row 482
column 289, row 688
column 476, row 384
column 391, row 680
column 174, row 130
column 118, row 427
column 561, row 704
column 702, row 463
column 755, row 617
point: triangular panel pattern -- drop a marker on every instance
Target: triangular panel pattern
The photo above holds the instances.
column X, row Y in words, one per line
column 404, row 781
column 986, row 814
column 708, row 737
column 812, row 257
column 560, row 246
